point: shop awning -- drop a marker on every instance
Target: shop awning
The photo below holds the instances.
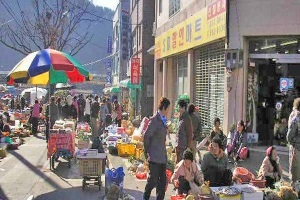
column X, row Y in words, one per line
column 151, row 50
column 113, row 89
column 127, row 84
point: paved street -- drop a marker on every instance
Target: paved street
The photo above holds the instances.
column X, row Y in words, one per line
column 25, row 172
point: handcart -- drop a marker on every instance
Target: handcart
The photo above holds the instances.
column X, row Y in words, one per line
column 90, row 167
column 61, row 144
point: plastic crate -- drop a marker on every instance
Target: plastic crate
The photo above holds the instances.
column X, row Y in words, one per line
column 125, row 150
column 138, row 153
column 90, row 166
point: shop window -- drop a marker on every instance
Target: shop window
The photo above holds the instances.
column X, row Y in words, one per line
column 174, row 7
column 134, row 45
column 140, row 35
column 182, row 75
column 274, row 45
column 160, row 6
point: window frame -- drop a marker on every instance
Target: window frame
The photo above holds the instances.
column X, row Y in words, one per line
column 160, row 7
column 174, row 7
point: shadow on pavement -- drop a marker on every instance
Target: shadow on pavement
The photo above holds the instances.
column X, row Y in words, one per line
column 3, row 195
column 90, row 192
column 62, row 170
column 39, row 136
column 34, row 169
column 138, row 195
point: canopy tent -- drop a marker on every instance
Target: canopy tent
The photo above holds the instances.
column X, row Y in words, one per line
column 127, row 84
column 64, row 86
column 113, row 89
column 34, row 93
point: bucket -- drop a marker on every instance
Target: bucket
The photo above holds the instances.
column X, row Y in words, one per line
column 244, row 174
column 258, row 183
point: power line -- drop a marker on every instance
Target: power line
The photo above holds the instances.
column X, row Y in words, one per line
column 96, row 61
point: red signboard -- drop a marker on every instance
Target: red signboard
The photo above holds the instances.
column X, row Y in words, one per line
column 216, row 8
column 135, row 71
column 61, row 141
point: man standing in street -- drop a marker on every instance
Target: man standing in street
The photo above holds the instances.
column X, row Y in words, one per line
column 87, row 109
column 155, row 151
column 197, row 129
column 81, row 106
column 184, row 137
column 293, row 138
column 95, row 108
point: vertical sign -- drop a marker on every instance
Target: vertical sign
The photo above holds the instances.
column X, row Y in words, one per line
column 108, row 70
column 124, row 34
column 109, row 44
column 135, row 71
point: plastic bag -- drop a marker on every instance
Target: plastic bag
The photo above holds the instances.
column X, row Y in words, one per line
column 115, row 176
column 8, row 140
column 244, row 152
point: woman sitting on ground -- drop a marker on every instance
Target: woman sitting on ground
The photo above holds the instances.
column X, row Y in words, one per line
column 186, row 172
column 218, row 133
column 270, row 169
column 214, row 165
column 239, row 141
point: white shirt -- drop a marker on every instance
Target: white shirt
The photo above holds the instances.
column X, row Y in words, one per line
column 87, row 108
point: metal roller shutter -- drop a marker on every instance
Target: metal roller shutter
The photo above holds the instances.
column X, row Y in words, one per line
column 209, row 82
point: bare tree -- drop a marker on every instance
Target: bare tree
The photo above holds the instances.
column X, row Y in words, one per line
column 48, row 24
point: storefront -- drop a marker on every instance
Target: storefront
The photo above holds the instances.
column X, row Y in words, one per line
column 189, row 59
column 273, row 80
column 209, row 82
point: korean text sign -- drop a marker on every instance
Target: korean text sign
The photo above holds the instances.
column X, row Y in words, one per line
column 135, row 71
column 205, row 26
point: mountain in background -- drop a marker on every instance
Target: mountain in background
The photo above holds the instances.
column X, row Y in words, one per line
column 96, row 49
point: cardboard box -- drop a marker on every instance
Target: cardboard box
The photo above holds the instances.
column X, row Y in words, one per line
column 258, row 195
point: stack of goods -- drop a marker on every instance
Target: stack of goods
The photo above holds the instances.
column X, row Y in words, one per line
column 129, row 128
column 64, row 124
column 282, row 191
column 83, row 134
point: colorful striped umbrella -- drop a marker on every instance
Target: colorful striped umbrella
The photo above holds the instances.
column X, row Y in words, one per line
column 48, row 66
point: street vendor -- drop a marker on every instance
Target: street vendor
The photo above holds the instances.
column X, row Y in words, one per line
column 69, row 110
column 270, row 169
column 293, row 138
column 214, row 165
column 35, row 115
column 186, row 173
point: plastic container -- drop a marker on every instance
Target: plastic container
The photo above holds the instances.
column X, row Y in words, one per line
column 120, row 130
column 244, row 174
column 258, row 183
column 125, row 149
column 178, row 197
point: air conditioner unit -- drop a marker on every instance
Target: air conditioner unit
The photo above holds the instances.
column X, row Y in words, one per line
column 233, row 58
column 154, row 29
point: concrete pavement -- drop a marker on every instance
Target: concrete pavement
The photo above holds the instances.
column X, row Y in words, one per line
column 25, row 172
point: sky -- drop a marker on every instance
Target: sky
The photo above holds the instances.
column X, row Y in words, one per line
column 112, row 4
